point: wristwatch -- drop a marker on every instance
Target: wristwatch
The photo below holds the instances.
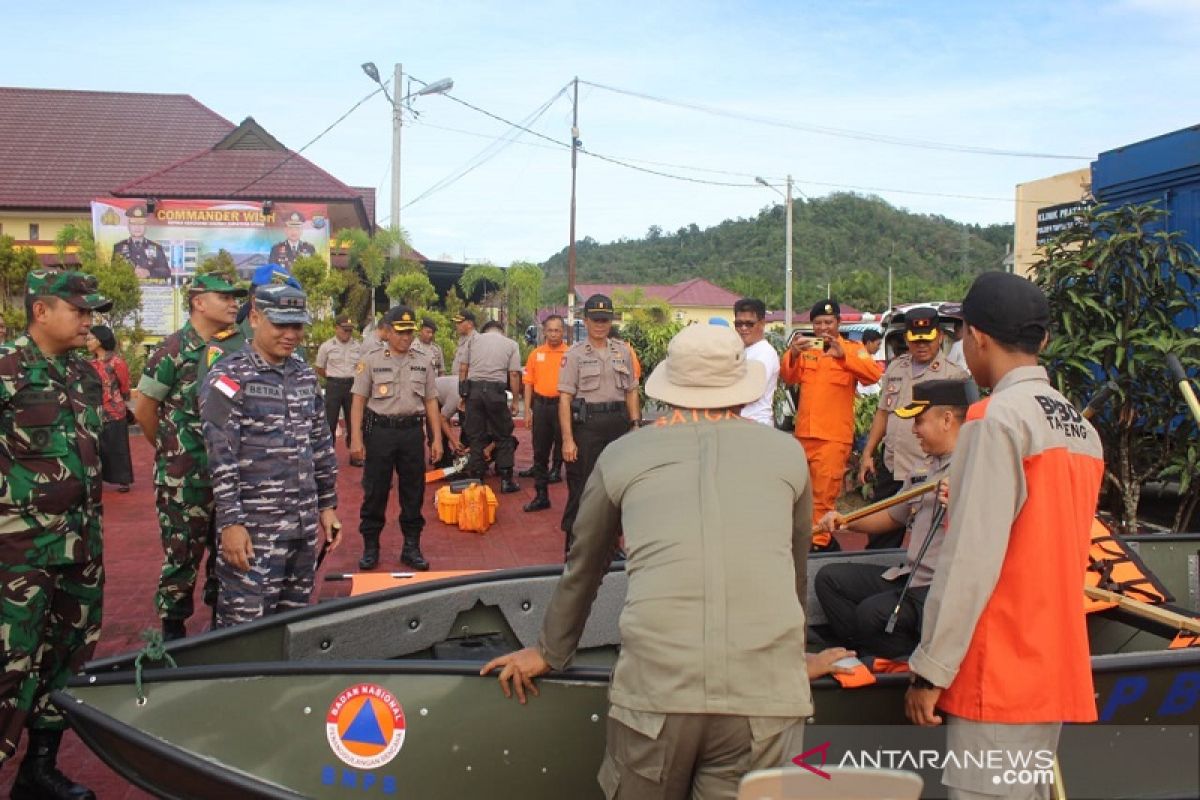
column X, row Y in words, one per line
column 920, row 682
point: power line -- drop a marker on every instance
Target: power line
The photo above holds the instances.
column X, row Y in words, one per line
column 311, row 142
column 489, row 152
column 845, row 133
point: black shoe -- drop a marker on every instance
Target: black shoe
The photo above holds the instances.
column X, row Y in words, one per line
column 356, row 462
column 123, row 488
column 173, row 629
column 370, row 556
column 539, row 503
column 39, row 778
column 507, row 484
column 555, row 476
column 526, row 473
column 411, row 555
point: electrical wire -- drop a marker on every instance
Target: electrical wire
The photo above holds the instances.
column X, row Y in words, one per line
column 292, row 154
column 844, row 133
column 498, row 145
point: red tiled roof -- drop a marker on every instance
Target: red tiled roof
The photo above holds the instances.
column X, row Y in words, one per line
column 62, row 149
column 248, row 163
column 849, row 314
column 695, row 292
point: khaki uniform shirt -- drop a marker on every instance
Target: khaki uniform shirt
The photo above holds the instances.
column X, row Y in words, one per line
column 339, row 359
column 434, row 351
column 917, row 516
column 395, row 384
column 597, row 375
column 717, row 518
column 490, row 357
column 461, row 350
column 902, row 454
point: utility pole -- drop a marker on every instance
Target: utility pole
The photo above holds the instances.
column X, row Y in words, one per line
column 571, row 247
column 787, row 267
column 397, row 124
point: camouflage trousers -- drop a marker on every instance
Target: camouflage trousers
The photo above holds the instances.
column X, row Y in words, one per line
column 49, row 625
column 185, row 520
column 280, row 578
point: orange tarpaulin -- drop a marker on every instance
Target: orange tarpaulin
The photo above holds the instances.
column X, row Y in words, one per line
column 363, row 582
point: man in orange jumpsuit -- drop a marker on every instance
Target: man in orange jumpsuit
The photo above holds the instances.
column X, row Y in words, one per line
column 826, row 366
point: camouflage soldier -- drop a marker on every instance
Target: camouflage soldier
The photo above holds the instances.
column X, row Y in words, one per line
column 51, row 572
column 149, row 259
column 274, row 471
column 233, row 339
column 291, row 248
column 168, row 414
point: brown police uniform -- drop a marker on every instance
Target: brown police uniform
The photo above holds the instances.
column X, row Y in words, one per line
column 902, row 454
column 434, row 351
column 396, row 387
column 598, row 380
column 489, row 358
column 339, row 360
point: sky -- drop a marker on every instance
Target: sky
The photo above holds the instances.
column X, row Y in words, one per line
column 1065, row 78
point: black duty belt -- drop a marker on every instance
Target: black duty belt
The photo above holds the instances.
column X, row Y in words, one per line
column 546, row 401
column 339, row 380
column 606, row 408
column 397, row 420
column 478, row 382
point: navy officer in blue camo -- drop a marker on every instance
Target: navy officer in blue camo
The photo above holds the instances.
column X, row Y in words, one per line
column 273, row 468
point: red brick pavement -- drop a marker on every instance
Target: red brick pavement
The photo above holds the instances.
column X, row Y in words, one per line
column 132, row 555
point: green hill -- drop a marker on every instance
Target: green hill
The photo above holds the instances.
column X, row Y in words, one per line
column 845, row 240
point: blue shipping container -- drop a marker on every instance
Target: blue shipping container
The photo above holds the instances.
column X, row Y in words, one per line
column 1165, row 168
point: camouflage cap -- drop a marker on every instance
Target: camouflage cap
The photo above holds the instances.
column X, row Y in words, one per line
column 282, row 304
column 213, row 282
column 77, row 288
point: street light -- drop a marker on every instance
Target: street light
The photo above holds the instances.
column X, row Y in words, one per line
column 787, row 296
column 437, row 87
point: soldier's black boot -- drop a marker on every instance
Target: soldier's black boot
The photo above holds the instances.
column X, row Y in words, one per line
column 555, row 474
column 39, row 778
column 370, row 556
column 540, row 502
column 507, row 484
column 526, row 473
column 173, row 629
column 412, row 556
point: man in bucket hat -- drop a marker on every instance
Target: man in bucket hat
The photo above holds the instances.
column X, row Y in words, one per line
column 717, row 516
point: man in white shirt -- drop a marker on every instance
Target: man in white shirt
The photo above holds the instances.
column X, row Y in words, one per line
column 748, row 319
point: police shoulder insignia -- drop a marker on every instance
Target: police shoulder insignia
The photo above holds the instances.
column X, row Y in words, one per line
column 359, row 367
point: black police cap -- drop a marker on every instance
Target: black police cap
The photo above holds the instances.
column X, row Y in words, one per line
column 825, row 308
column 1007, row 307
column 928, row 394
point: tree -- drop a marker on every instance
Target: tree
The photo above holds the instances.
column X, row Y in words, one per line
column 523, row 293
column 1116, row 287
column 15, row 264
column 115, row 276
column 412, row 289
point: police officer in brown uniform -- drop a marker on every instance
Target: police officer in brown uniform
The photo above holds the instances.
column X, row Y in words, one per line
column 394, row 391
column 427, row 345
column 597, row 400
column 149, row 259
column 490, row 365
column 902, row 453
column 337, row 358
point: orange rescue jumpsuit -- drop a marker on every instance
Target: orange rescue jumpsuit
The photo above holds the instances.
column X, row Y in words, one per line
column 825, row 416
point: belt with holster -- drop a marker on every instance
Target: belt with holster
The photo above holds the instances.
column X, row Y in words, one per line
column 397, row 420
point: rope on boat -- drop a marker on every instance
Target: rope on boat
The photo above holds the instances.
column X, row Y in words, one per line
column 155, row 650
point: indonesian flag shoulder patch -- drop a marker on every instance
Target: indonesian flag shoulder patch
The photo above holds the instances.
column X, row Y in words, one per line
column 227, row 386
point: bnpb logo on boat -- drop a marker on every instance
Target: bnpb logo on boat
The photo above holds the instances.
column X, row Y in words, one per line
column 365, row 726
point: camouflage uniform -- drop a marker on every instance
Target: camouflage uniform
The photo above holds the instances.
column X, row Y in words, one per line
column 51, row 574
column 183, row 492
column 273, row 470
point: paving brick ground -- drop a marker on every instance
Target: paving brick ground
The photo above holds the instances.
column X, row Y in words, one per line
column 132, row 555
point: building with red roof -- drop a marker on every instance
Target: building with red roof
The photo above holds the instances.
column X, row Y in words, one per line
column 61, row 149
column 695, row 300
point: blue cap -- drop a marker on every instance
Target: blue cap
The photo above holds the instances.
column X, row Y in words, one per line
column 724, row 323
column 282, row 304
column 269, row 274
